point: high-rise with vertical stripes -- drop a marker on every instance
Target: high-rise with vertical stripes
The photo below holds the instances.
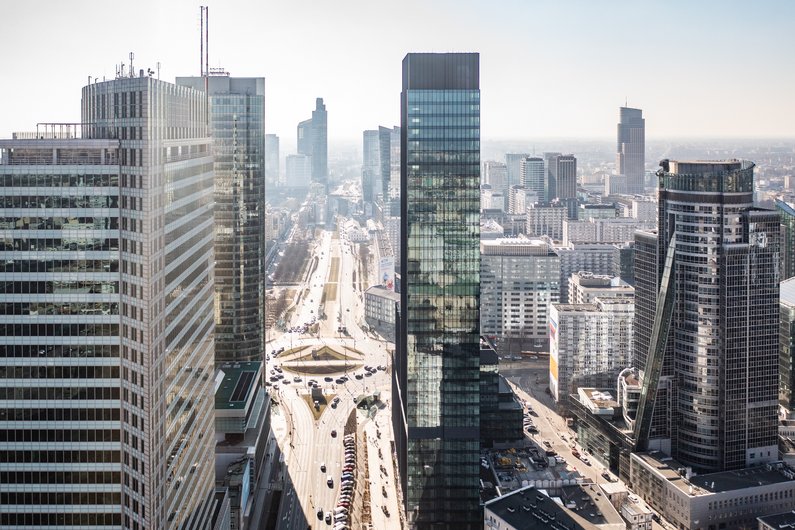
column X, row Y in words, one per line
column 106, row 350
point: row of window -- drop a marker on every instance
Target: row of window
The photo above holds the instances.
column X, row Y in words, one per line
column 53, row 414
column 60, row 477
column 60, row 308
column 49, row 180
column 59, row 350
column 14, row 242
column 60, row 435
column 60, row 457
column 48, row 393
column 59, row 223
column 59, row 287
column 59, row 330
column 59, row 372
column 56, row 200
column 59, row 520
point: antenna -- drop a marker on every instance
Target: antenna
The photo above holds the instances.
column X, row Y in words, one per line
column 158, row 70
column 132, row 72
column 201, row 41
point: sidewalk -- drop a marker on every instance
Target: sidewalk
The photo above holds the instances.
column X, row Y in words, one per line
column 381, row 482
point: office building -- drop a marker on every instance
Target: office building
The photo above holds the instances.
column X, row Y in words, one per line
column 389, row 157
column 586, row 287
column 513, row 166
column 313, row 141
column 787, row 348
column 242, row 428
column 545, row 220
column 99, row 299
column 549, row 158
column 615, row 184
column 597, row 258
column 437, row 375
column 727, row 499
column 533, row 176
column 272, row 161
column 298, row 171
column 645, row 211
column 631, row 148
column 589, row 344
column 495, row 174
column 237, row 126
column 519, row 280
column 562, row 180
column 519, row 198
column 714, row 327
column 615, row 230
column 500, row 412
column 371, row 165
column 787, row 213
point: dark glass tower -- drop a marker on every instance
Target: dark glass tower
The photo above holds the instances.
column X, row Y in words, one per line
column 237, row 125
column 631, row 148
column 438, row 356
column 713, row 321
column 788, row 239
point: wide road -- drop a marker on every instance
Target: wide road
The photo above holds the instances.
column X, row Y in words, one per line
column 306, row 441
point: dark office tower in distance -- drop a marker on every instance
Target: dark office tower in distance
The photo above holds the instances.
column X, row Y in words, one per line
column 631, row 148
column 313, row 141
column 371, row 166
column 563, row 178
column 551, row 191
column 715, row 321
column 272, row 162
column 237, row 126
column 437, row 363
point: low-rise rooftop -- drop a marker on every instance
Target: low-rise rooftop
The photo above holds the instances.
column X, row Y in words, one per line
column 238, row 386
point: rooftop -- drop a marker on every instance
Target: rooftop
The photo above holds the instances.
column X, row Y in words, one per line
column 529, row 509
column 380, row 290
column 597, row 400
column 788, row 292
column 238, row 385
column 779, row 520
column 709, row 483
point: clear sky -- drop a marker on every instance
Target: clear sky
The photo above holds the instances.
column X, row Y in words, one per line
column 549, row 69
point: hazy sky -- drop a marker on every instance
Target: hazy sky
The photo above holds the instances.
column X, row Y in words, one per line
column 548, row 68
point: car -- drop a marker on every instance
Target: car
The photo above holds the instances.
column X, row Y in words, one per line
column 381, row 367
column 368, row 374
column 334, row 434
column 330, row 481
column 333, row 405
column 328, row 518
column 546, row 442
column 360, row 376
column 322, row 467
column 339, row 381
column 328, row 379
column 320, row 514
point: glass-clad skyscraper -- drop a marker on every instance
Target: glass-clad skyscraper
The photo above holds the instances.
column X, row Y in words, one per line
column 438, row 358
column 708, row 318
column 237, row 125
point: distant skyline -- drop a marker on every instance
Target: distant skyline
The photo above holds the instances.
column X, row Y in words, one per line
column 549, row 69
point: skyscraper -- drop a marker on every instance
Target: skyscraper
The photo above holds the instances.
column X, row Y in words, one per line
column 631, row 148
column 437, row 363
column 313, row 141
column 237, row 126
column 533, row 176
column 563, row 176
column 272, row 160
column 389, row 157
column 712, row 322
column 371, row 165
column 513, row 164
column 108, row 315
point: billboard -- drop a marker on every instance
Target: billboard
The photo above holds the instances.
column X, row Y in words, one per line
column 386, row 272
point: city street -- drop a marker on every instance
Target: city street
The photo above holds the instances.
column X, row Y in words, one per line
column 342, row 349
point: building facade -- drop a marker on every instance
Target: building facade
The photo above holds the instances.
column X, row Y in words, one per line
column 237, row 126
column 545, row 221
column 272, row 161
column 371, row 165
column 108, row 277
column 589, row 257
column 533, row 176
column 313, row 141
column 590, row 344
column 631, row 148
column 437, row 367
column 716, row 322
column 298, row 171
column 519, row 281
